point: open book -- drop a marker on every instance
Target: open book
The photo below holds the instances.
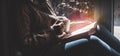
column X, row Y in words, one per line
column 81, row 27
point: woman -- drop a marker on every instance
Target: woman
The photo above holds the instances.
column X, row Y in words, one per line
column 36, row 29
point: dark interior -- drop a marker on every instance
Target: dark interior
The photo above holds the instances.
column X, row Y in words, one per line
column 8, row 24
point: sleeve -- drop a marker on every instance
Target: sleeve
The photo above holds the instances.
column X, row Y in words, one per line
column 29, row 30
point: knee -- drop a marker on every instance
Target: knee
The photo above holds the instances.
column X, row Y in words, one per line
column 97, row 41
column 75, row 43
column 94, row 38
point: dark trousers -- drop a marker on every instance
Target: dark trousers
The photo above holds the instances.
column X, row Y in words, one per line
column 89, row 47
column 108, row 37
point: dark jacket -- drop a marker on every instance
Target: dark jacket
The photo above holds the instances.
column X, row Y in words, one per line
column 33, row 19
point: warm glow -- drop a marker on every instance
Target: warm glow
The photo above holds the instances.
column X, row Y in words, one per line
column 77, row 22
column 75, row 25
column 84, row 29
column 80, row 13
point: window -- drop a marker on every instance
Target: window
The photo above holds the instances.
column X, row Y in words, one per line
column 117, row 18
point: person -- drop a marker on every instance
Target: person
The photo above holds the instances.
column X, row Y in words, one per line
column 39, row 35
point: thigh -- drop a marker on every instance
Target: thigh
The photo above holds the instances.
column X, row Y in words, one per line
column 75, row 43
column 109, row 38
column 99, row 47
column 77, row 47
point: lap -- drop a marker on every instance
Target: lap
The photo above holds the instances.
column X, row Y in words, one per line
column 87, row 46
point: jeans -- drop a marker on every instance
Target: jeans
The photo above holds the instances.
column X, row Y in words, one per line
column 108, row 37
column 89, row 47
